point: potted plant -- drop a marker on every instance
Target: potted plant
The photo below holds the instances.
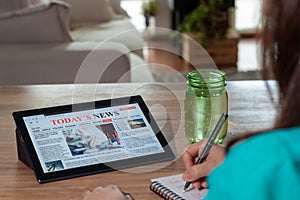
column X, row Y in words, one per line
column 208, row 24
column 207, row 21
column 149, row 9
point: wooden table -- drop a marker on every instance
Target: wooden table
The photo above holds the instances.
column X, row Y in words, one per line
column 249, row 109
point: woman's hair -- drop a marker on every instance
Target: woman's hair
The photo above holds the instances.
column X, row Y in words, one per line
column 281, row 56
column 281, row 59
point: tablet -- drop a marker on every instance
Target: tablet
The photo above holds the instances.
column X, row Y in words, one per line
column 87, row 138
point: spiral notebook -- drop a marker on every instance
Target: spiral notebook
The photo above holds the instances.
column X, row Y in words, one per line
column 171, row 188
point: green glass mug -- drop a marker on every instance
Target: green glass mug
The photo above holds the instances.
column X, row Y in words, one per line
column 205, row 100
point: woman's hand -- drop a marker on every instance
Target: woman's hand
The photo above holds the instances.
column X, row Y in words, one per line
column 110, row 192
column 196, row 173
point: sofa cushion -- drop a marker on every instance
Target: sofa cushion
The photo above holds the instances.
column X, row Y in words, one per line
column 32, row 2
column 75, row 62
column 90, row 11
column 118, row 30
column 43, row 22
column 10, row 5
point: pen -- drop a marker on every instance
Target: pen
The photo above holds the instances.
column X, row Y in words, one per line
column 210, row 143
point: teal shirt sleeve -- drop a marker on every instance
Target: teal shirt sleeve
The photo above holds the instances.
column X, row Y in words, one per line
column 264, row 167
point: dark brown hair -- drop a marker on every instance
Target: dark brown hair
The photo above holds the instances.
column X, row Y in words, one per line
column 281, row 58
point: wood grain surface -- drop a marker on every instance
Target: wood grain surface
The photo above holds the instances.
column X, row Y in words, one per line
column 250, row 109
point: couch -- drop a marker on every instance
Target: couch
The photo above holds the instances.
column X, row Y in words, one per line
column 68, row 41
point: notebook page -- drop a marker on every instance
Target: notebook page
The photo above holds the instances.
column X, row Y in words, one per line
column 176, row 184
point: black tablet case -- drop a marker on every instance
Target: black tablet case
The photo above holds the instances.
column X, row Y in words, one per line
column 24, row 156
column 22, row 151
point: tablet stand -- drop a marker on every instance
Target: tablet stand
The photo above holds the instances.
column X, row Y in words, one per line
column 23, row 154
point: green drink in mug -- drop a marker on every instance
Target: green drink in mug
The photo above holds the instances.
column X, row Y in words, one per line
column 205, row 101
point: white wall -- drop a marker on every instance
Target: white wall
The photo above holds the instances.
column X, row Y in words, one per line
column 247, row 14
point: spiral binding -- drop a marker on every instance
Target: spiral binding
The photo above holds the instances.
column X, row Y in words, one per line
column 164, row 192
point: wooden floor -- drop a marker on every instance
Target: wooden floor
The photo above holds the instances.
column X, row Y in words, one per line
column 165, row 58
column 158, row 57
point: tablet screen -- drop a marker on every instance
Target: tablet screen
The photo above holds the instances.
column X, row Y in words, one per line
column 62, row 142
column 71, row 140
